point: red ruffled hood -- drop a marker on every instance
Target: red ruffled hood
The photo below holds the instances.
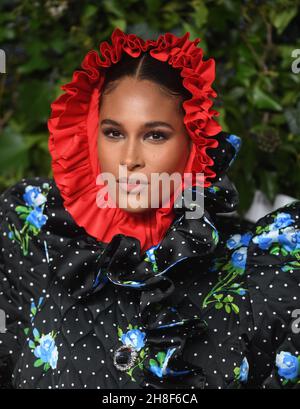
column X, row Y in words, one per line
column 73, row 127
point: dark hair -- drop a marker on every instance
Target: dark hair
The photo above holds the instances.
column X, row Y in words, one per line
column 148, row 68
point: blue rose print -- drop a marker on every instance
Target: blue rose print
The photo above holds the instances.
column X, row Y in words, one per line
column 32, row 214
column 245, row 239
column 263, row 241
column 47, row 350
column 37, row 218
column 235, row 141
column 151, row 257
column 134, row 338
column 238, row 240
column 290, row 239
column 234, row 268
column 151, row 254
column 33, row 196
column 279, row 236
column 42, row 346
column 241, row 373
column 233, row 242
column 281, row 220
column 239, row 258
column 266, row 239
column 288, row 365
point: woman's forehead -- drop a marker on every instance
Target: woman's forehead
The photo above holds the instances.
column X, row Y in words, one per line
column 143, row 99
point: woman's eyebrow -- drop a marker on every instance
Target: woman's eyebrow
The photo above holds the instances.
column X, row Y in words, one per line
column 150, row 124
column 157, row 123
column 110, row 122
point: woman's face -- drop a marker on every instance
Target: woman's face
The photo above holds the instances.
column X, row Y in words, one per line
column 141, row 128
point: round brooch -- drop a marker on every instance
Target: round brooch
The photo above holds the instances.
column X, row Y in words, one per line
column 125, row 357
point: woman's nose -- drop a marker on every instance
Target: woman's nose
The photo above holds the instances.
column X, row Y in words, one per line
column 131, row 155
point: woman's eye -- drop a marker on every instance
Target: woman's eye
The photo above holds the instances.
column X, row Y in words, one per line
column 158, row 136
column 111, row 133
column 154, row 136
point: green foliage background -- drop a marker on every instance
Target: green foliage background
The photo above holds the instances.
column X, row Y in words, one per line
column 251, row 41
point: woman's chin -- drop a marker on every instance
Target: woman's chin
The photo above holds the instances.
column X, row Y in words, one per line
column 137, row 211
column 136, row 208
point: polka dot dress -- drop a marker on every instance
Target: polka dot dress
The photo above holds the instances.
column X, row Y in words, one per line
column 214, row 305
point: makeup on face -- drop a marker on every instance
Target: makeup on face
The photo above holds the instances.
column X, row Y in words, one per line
column 140, row 127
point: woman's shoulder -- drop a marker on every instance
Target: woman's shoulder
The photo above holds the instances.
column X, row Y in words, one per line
column 265, row 256
column 31, row 208
column 35, row 228
column 14, row 194
column 272, row 267
column 273, row 252
column 272, row 274
column 21, row 211
column 24, row 273
column 28, row 196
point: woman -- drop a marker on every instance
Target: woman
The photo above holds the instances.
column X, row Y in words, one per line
column 103, row 296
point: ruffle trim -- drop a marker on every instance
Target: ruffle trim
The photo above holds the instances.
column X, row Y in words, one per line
column 73, row 127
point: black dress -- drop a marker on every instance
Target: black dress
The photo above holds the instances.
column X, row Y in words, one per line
column 214, row 305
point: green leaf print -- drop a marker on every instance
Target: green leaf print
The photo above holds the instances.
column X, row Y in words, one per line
column 236, row 371
column 227, row 308
column 22, row 209
column 152, row 362
column 38, row 363
column 32, row 215
column 46, row 366
column 33, row 310
column 161, row 357
column 215, row 237
column 275, row 250
column 120, row 332
column 130, row 374
column 228, row 298
column 235, row 308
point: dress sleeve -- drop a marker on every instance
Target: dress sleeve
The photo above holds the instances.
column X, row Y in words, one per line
column 273, row 282
column 11, row 310
column 24, row 271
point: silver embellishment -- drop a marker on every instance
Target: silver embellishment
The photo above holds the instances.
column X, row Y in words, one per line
column 129, row 354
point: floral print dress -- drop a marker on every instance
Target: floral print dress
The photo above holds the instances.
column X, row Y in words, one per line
column 214, row 305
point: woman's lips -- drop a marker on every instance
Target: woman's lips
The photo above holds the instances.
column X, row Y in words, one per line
column 130, row 187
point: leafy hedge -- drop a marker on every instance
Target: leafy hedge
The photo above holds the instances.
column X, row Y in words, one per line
column 252, row 42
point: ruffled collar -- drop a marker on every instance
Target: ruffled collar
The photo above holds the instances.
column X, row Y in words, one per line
column 151, row 273
column 73, row 127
